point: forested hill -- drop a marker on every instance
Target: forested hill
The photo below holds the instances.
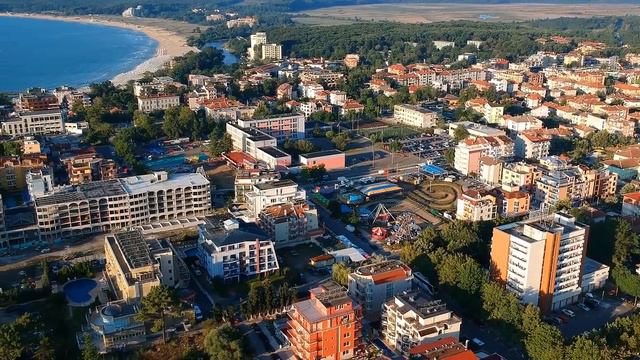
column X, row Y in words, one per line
column 164, row 8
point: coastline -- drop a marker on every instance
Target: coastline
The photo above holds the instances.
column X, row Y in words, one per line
column 170, row 43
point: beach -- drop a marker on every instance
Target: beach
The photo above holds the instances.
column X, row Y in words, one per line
column 170, row 43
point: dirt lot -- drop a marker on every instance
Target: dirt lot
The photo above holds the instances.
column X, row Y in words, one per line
column 425, row 13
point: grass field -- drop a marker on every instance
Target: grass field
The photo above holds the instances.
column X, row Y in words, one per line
column 425, row 13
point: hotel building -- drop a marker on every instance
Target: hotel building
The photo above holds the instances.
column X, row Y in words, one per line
column 273, row 193
column 281, row 127
column 134, row 265
column 103, row 206
column 413, row 115
column 413, row 318
column 34, row 123
column 327, row 326
column 231, row 250
column 475, row 205
column 150, row 103
column 372, row 285
column 541, row 259
column 271, row 52
column 290, row 224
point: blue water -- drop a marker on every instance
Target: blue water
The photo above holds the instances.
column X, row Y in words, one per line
column 49, row 53
column 168, row 162
column 79, row 291
column 229, row 58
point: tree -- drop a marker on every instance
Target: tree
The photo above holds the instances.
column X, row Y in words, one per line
column 186, row 121
column 450, row 156
column 460, row 133
column 89, row 349
column 544, row 342
column 459, row 236
column 500, row 304
column 408, row 253
column 340, row 273
column 628, row 188
column 394, row 147
column 626, row 243
column 45, row 350
column 262, row 111
column 170, row 123
column 219, row 146
column 157, row 305
column 627, row 281
column 143, row 121
column 225, row 343
column 585, row 348
column 11, row 346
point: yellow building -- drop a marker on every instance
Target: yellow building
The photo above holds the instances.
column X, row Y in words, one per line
column 13, row 170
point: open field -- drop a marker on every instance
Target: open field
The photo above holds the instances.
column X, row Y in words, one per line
column 425, row 13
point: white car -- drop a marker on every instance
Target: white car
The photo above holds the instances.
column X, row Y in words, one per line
column 583, row 307
column 589, row 295
column 478, row 342
column 568, row 312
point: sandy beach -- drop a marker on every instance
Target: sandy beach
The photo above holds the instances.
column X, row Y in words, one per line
column 170, row 43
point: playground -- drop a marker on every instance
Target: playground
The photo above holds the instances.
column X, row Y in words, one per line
column 437, row 195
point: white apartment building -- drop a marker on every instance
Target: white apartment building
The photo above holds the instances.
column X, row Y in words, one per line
column 230, row 251
column 532, row 145
column 372, row 285
column 443, row 44
column 259, row 145
column 413, row 115
column 541, row 259
column 474, row 205
column 245, row 179
column 271, row 52
column 256, row 41
column 102, row 206
column 39, row 182
column 413, row 318
column 157, row 102
column 281, row 127
column 468, row 153
column 268, row 194
column 34, row 123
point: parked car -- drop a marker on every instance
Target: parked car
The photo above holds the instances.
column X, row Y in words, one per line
column 563, row 318
column 583, row 307
column 197, row 312
column 568, row 312
column 589, row 295
column 553, row 320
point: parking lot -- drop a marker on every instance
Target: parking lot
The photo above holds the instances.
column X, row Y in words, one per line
column 594, row 318
column 429, row 147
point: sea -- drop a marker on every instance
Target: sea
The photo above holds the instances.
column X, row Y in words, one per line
column 50, row 53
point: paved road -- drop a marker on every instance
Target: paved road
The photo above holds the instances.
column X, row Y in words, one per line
column 596, row 318
column 338, row 228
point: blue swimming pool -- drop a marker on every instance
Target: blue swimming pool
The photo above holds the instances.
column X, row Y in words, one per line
column 80, row 292
column 167, row 162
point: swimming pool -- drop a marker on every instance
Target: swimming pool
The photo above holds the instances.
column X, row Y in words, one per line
column 167, row 162
column 80, row 292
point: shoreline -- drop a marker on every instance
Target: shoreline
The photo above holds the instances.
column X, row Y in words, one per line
column 170, row 44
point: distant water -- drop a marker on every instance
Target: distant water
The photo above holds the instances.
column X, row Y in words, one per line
column 50, row 53
column 229, row 58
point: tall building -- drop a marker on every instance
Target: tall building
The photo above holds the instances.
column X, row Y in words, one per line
column 531, row 144
column 273, row 193
column 134, row 266
column 280, row 126
column 541, row 259
column 372, row 285
column 271, row 52
column 327, row 326
column 37, row 100
column 256, row 41
column 413, row 318
column 41, row 122
column 102, row 206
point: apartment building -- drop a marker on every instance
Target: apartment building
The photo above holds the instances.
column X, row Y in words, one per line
column 39, row 182
column 476, row 205
column 31, row 146
column 84, row 168
column 490, row 170
column 469, row 152
column 413, row 318
column 34, row 123
column 325, row 76
column 541, row 259
column 255, row 42
column 414, row 115
column 150, row 103
column 232, row 250
column 246, row 178
column 281, row 127
column 14, row 170
column 134, row 265
column 512, row 202
column 531, row 144
column 271, row 52
column 36, row 101
column 327, row 326
column 520, row 174
column 263, row 195
column 631, row 204
column 258, row 145
column 374, row 284
column 575, row 183
column 290, row 224
column 102, row 206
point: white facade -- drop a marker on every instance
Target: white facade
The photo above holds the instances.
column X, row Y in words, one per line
column 126, row 202
column 271, row 52
column 281, row 127
column 476, row 207
column 157, row 102
column 414, row 116
column 412, row 318
column 273, row 193
column 256, row 40
column 34, row 123
column 229, row 252
column 39, row 182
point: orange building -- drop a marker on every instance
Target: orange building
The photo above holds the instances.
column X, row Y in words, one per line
column 327, row 326
column 541, row 260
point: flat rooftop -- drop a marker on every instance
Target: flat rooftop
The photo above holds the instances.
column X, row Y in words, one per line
column 213, row 231
column 131, row 247
column 275, row 184
column 421, row 304
column 274, row 152
column 322, row 153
